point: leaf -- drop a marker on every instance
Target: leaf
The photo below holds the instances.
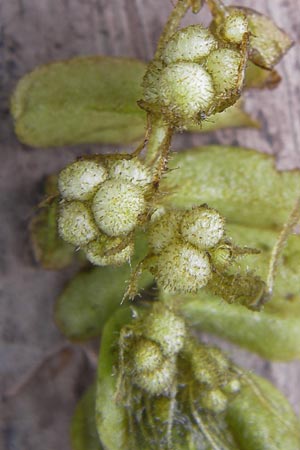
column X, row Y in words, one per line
column 232, row 117
column 243, row 185
column 92, row 296
column 89, row 100
column 287, row 282
column 261, row 418
column 258, row 78
column 111, row 418
column 84, row 434
column 50, row 251
column 81, row 100
column 273, row 333
column 268, row 43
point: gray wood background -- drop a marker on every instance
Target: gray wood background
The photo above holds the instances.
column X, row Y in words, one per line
column 34, row 32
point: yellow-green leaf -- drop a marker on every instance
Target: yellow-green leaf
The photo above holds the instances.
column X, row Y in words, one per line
column 91, row 100
column 242, row 184
column 84, row 434
column 259, row 78
column 81, row 100
column 268, row 42
column 273, row 333
column 93, row 295
column 233, row 117
column 260, row 418
column 48, row 248
column 111, row 418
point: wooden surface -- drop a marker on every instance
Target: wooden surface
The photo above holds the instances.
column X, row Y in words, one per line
column 34, row 32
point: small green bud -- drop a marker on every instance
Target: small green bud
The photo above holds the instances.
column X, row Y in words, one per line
column 80, row 180
column 101, row 251
column 214, row 401
column 223, row 65
column 221, row 256
column 147, row 356
column 166, row 329
column 202, row 227
column 190, row 44
column 117, row 205
column 186, row 90
column 234, row 28
column 182, row 268
column 76, row 224
column 232, row 387
column 158, row 381
column 221, row 361
column 131, row 170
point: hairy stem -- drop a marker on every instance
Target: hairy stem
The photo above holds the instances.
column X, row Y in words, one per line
column 280, row 244
column 172, row 24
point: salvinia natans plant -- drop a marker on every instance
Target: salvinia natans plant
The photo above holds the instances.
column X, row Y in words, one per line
column 206, row 233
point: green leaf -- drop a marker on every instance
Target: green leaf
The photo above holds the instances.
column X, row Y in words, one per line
column 242, row 184
column 92, row 296
column 50, row 251
column 261, row 418
column 84, row 434
column 110, row 417
column 81, row 100
column 268, row 42
column 89, row 100
column 273, row 333
column 258, row 78
column 232, row 117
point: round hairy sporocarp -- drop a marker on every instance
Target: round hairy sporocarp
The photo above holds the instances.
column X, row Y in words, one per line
column 202, row 227
column 186, row 90
column 223, row 65
column 101, row 252
column 117, row 206
column 190, row 44
column 166, row 329
column 232, row 387
column 215, row 401
column 80, row 180
column 235, row 26
column 131, row 170
column 158, row 381
column 147, row 356
column 182, row 268
column 163, row 230
column 76, row 224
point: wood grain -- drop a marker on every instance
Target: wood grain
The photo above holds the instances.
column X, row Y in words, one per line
column 34, row 32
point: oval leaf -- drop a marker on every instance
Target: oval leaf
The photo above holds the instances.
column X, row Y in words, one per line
column 91, row 100
column 110, row 417
column 84, row 434
column 81, row 100
column 242, row 184
column 273, row 333
column 92, row 296
column 261, row 418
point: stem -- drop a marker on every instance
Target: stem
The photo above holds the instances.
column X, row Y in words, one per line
column 217, row 8
column 172, row 24
column 280, row 244
column 159, row 138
